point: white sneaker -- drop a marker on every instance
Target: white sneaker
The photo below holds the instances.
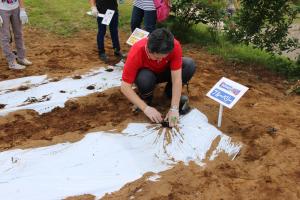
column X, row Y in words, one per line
column 15, row 65
column 120, row 64
column 24, row 61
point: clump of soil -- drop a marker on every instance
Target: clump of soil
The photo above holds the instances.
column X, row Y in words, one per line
column 109, row 69
column 82, row 197
column 30, row 100
column 77, row 77
column 23, row 88
column 90, row 87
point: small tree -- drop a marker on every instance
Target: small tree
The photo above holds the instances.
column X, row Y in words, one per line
column 264, row 24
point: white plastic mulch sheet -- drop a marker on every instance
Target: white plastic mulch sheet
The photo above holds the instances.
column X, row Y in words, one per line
column 43, row 95
column 103, row 162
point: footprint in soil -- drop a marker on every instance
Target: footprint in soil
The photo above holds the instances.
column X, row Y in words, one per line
column 72, row 105
column 272, row 131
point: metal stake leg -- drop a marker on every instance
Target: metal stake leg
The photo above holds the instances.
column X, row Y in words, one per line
column 220, row 115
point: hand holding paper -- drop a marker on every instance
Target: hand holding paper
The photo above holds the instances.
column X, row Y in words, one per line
column 94, row 11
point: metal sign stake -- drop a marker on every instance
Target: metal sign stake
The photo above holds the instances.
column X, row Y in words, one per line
column 220, row 115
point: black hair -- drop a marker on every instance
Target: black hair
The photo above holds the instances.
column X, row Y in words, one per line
column 160, row 41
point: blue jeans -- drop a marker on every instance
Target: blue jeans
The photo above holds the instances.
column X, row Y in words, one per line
column 137, row 18
column 113, row 27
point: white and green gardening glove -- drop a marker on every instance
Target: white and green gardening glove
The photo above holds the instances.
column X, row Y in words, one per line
column 1, row 21
column 23, row 16
column 94, row 11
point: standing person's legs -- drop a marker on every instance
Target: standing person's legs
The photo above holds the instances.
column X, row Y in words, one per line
column 5, row 36
column 16, row 25
column 145, row 82
column 136, row 18
column 113, row 27
column 150, row 20
column 188, row 70
column 100, row 36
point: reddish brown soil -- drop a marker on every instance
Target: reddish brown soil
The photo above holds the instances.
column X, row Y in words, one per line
column 266, row 121
column 57, row 56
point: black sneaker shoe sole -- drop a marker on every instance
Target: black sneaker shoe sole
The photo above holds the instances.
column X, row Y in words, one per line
column 184, row 107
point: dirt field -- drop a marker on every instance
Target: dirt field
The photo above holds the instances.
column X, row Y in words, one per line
column 266, row 121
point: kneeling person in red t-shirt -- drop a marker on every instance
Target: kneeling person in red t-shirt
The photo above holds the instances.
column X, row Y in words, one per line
column 154, row 60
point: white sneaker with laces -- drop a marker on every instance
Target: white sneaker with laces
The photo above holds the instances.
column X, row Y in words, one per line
column 24, row 61
column 15, row 65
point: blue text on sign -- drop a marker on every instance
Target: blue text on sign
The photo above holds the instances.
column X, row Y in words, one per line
column 222, row 96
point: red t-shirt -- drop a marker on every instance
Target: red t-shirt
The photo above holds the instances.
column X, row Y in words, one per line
column 137, row 59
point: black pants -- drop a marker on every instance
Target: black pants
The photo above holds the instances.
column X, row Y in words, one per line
column 137, row 18
column 146, row 79
column 113, row 27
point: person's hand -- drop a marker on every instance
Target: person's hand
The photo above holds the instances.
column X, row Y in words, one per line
column 94, row 11
column 23, row 16
column 1, row 21
column 153, row 114
column 172, row 117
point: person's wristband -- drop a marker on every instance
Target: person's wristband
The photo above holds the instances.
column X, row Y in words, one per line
column 174, row 109
column 145, row 108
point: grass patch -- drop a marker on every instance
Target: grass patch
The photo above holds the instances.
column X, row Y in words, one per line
column 125, row 11
column 60, row 16
column 247, row 54
column 66, row 17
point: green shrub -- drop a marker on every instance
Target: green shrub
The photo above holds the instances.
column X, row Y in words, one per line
column 192, row 12
column 264, row 24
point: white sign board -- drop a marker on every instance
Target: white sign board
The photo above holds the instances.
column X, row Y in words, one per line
column 227, row 92
column 137, row 35
column 107, row 17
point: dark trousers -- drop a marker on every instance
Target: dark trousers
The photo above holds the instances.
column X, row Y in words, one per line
column 146, row 79
column 137, row 18
column 113, row 27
